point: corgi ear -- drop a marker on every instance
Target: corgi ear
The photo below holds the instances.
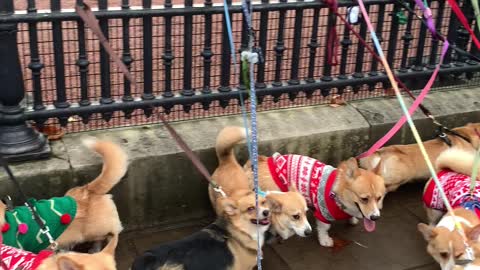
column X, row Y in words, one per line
column 349, row 168
column 427, row 231
column 378, row 167
column 65, row 263
column 292, row 187
column 474, row 234
column 275, row 204
column 227, row 206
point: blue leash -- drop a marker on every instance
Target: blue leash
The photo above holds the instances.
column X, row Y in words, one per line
column 252, row 144
column 235, row 71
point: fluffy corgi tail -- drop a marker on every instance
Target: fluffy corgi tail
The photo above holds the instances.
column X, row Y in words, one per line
column 226, row 140
column 457, row 160
column 115, row 163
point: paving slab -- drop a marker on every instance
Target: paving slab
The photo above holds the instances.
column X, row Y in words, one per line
column 395, row 244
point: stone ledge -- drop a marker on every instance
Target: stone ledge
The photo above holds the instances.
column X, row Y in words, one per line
column 162, row 186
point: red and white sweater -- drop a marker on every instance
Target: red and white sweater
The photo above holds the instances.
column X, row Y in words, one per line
column 456, row 187
column 313, row 179
column 14, row 259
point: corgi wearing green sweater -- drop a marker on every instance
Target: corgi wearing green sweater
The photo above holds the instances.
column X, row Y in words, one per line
column 85, row 214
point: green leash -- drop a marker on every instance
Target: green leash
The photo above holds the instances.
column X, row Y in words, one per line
column 476, row 10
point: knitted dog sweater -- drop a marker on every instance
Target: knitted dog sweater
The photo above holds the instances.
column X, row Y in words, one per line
column 15, row 259
column 21, row 231
column 456, row 187
column 313, row 179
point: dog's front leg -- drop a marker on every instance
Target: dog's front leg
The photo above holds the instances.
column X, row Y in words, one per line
column 323, row 238
column 433, row 215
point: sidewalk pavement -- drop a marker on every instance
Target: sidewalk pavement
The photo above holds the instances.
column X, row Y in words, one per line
column 395, row 245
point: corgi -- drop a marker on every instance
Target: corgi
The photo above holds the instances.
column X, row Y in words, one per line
column 400, row 164
column 228, row 243
column 13, row 258
column 346, row 193
column 289, row 209
column 86, row 213
column 445, row 243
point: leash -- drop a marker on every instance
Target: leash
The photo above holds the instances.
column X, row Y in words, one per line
column 476, row 11
column 43, row 227
column 476, row 164
column 412, row 127
column 463, row 20
column 417, row 101
column 437, row 34
column 441, row 129
column 86, row 14
column 252, row 58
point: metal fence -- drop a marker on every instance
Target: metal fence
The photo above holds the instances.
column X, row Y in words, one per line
column 180, row 56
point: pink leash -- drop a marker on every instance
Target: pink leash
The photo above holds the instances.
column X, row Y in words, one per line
column 419, row 99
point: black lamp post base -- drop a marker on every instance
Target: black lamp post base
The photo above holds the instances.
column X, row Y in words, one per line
column 23, row 143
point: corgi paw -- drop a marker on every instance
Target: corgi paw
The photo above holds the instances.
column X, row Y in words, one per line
column 353, row 221
column 325, row 241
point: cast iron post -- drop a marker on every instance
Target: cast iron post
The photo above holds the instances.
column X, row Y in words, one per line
column 18, row 140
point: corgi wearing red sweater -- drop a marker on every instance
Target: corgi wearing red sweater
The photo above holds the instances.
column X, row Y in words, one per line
column 348, row 192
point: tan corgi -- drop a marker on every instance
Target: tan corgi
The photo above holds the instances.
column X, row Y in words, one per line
column 288, row 208
column 346, row 193
column 400, row 164
column 96, row 214
column 228, row 243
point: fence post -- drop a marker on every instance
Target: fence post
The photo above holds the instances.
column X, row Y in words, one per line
column 18, row 140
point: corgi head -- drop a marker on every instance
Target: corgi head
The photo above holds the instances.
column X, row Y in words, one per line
column 104, row 260
column 360, row 192
column 444, row 246
column 289, row 213
column 241, row 211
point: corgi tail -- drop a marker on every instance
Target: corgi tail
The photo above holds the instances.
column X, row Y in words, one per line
column 226, row 140
column 457, row 160
column 115, row 163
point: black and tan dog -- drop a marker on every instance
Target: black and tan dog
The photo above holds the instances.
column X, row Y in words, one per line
column 228, row 243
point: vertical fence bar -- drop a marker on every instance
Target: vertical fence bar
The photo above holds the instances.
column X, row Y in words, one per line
column 313, row 45
column 126, row 58
column 407, row 39
column 147, row 54
column 18, row 141
column 392, row 40
column 226, row 58
column 59, row 61
column 435, row 42
column 379, row 30
column 346, row 43
column 207, row 50
column 418, row 64
column 106, row 91
column 358, row 73
column 35, row 65
column 243, row 47
column 83, row 63
column 297, row 42
column 279, row 50
column 207, row 55
column 168, row 57
column 188, row 57
column 327, row 69
column 260, row 83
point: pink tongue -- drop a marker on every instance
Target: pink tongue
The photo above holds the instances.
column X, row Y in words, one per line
column 369, row 225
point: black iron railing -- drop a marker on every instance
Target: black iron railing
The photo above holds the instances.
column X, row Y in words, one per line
column 180, row 56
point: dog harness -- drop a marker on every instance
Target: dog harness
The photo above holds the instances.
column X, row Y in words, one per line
column 21, row 231
column 457, row 190
column 313, row 179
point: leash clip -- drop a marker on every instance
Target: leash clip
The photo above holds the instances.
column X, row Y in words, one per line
column 219, row 189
